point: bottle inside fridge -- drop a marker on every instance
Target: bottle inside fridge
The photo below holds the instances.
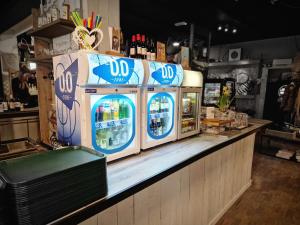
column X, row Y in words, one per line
column 160, row 115
column 189, row 112
column 114, row 118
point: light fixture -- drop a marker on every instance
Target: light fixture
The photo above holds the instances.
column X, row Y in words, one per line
column 234, row 30
column 181, row 23
column 176, row 44
column 226, row 29
column 220, row 27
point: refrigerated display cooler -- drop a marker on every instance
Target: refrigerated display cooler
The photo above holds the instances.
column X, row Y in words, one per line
column 98, row 102
column 160, row 103
column 190, row 94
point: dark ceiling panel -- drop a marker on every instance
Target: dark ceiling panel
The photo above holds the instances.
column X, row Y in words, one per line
column 13, row 11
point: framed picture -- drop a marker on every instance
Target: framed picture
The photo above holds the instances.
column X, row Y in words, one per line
column 114, row 39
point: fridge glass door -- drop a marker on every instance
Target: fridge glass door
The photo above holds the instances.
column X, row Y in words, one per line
column 189, row 112
column 113, row 122
column 160, row 110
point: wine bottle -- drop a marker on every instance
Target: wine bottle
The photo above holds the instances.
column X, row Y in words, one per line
column 5, row 104
column 144, row 48
column 153, row 51
column 133, row 47
column 148, row 54
column 11, row 104
column 1, row 106
column 138, row 46
column 17, row 105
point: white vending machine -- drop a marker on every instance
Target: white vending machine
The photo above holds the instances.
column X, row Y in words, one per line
column 160, row 103
column 98, row 102
column 190, row 94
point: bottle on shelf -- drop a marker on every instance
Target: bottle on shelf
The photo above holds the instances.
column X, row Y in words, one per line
column 144, row 47
column 138, row 46
column 1, row 105
column 11, row 104
column 54, row 12
column 65, row 10
column 148, row 53
column 153, row 51
column 17, row 105
column 5, row 104
column 132, row 52
column 116, row 109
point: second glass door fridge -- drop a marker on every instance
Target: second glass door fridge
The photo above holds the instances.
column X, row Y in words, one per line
column 159, row 113
column 189, row 112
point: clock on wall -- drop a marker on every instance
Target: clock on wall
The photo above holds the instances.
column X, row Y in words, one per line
column 234, row 54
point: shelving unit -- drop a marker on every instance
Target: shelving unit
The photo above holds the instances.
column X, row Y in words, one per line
column 246, row 62
column 42, row 37
column 54, row 29
column 272, row 151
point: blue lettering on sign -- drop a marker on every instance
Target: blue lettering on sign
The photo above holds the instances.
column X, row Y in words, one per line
column 65, row 83
column 116, row 71
column 165, row 75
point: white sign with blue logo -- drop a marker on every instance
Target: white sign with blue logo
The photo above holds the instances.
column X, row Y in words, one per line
column 65, row 70
column 165, row 74
column 104, row 69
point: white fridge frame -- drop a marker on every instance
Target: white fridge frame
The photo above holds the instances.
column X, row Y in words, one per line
column 86, row 130
column 144, row 115
column 183, row 90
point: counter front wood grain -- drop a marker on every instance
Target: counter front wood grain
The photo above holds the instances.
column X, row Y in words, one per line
column 188, row 182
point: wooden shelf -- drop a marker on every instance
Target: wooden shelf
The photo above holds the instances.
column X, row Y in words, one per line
column 234, row 63
column 54, row 29
column 245, row 96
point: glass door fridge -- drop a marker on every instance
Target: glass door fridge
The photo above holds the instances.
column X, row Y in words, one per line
column 113, row 116
column 189, row 112
column 160, row 103
column 98, row 102
column 159, row 123
column 190, row 94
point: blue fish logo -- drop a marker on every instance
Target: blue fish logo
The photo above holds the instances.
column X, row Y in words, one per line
column 118, row 71
column 165, row 75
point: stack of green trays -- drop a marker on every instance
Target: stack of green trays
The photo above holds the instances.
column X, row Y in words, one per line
column 43, row 187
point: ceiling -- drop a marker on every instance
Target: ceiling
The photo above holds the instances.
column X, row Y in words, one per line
column 254, row 19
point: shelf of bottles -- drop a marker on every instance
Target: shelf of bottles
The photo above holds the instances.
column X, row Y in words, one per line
column 159, row 116
column 189, row 112
column 113, row 123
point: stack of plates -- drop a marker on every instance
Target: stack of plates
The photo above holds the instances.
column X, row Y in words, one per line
column 42, row 187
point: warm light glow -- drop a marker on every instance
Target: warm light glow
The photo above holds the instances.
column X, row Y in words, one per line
column 32, row 66
column 219, row 27
column 176, row 44
column 182, row 23
column 234, row 30
column 226, row 29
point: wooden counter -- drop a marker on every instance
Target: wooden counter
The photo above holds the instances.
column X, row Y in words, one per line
column 192, row 181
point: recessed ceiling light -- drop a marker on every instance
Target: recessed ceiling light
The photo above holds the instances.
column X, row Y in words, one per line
column 219, row 27
column 234, row 30
column 176, row 44
column 226, row 29
column 182, row 23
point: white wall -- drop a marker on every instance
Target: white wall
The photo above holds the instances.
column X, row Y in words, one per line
column 268, row 49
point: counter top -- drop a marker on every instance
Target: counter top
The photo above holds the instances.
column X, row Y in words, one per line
column 25, row 113
column 128, row 176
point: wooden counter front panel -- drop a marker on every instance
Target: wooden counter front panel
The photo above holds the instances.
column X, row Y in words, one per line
column 198, row 194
